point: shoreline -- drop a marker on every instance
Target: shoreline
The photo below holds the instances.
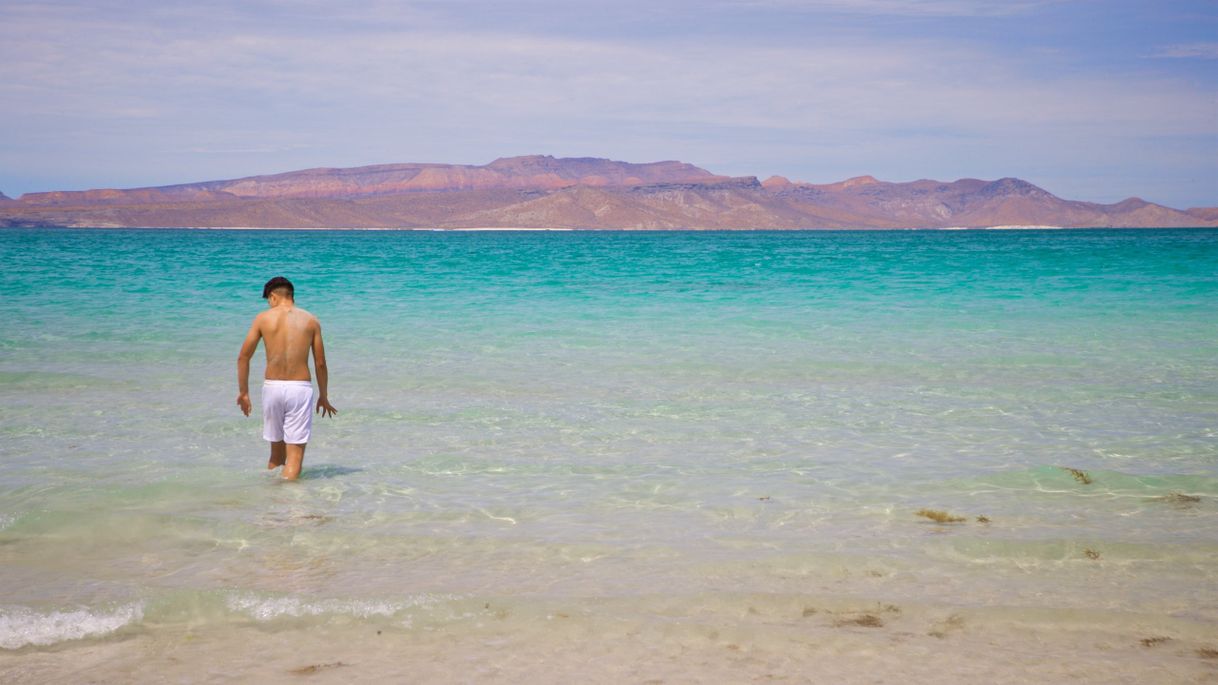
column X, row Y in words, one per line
column 750, row 636
column 533, row 229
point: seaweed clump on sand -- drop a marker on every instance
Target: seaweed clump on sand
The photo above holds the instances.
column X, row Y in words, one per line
column 863, row 618
column 1153, row 641
column 1079, row 475
column 315, row 668
column 939, row 516
column 1091, row 554
column 863, row 621
column 1179, row 499
column 951, row 623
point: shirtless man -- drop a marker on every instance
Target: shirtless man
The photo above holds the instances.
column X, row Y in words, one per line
column 287, row 394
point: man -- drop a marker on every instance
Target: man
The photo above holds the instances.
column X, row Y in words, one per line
column 287, row 394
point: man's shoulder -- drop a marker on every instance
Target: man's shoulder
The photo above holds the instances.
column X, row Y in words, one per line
column 308, row 316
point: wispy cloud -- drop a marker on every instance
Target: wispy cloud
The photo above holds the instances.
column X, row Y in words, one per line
column 1188, row 51
column 933, row 8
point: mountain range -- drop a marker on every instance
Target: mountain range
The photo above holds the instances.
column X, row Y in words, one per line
column 581, row 193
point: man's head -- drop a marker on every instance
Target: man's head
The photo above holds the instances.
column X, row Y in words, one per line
column 278, row 286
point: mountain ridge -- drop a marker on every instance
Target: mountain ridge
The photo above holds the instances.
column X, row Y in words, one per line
column 541, row 191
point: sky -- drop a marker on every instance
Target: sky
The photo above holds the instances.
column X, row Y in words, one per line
column 1094, row 100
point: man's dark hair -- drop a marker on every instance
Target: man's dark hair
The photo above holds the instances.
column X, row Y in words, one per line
column 277, row 283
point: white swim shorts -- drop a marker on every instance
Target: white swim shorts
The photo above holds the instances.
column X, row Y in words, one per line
column 287, row 411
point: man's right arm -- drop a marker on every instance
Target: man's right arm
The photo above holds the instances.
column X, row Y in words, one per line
column 243, row 366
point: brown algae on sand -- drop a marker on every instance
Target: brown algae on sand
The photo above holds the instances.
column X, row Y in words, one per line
column 1153, row 641
column 315, row 668
column 1091, row 554
column 1079, row 475
column 939, row 516
column 862, row 620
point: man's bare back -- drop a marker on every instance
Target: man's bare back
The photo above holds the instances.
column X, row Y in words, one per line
column 288, row 333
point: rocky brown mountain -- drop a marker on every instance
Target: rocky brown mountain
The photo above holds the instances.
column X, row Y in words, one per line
column 545, row 192
column 1204, row 213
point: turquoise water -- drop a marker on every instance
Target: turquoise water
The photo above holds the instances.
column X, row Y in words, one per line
column 535, row 420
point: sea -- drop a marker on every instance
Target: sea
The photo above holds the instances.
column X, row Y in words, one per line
column 620, row 457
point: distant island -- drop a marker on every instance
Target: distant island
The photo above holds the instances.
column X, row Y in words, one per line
column 579, row 193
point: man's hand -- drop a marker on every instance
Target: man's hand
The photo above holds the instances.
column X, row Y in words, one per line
column 324, row 407
column 243, row 401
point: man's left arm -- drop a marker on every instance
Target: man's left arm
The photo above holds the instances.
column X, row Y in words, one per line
column 323, row 375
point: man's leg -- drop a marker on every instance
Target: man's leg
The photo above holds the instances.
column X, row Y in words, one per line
column 278, row 454
column 295, row 459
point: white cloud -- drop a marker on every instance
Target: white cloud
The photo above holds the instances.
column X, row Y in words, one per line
column 824, row 87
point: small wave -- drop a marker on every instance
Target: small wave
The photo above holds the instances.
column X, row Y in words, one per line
column 263, row 608
column 22, row 626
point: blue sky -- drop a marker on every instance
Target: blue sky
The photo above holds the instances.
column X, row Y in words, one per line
column 1091, row 99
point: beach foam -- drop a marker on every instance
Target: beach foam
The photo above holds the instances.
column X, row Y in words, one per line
column 263, row 608
column 23, row 627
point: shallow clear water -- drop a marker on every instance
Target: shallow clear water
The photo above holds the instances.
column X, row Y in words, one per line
column 726, row 421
